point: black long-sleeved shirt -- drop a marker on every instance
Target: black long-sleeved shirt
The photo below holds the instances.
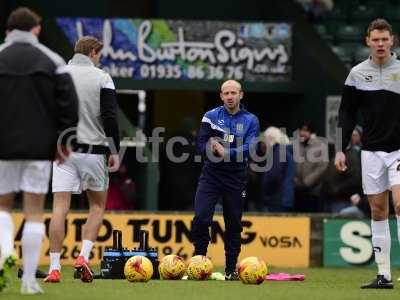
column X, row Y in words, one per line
column 37, row 98
column 373, row 91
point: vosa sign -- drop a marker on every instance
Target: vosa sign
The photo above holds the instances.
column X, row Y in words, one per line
column 280, row 241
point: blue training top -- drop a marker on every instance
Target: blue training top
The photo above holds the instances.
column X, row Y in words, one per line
column 235, row 132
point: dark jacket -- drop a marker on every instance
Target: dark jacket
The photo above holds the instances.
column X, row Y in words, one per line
column 311, row 162
column 37, row 98
column 278, row 181
column 340, row 186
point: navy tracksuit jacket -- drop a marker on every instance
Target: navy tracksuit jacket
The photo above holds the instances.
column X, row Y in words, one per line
column 224, row 180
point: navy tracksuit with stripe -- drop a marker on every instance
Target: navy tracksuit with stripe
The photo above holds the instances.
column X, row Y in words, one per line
column 225, row 180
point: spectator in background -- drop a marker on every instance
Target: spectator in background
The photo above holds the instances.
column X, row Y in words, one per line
column 278, row 180
column 121, row 191
column 359, row 203
column 359, row 207
column 316, row 9
column 343, row 190
column 254, row 187
column 311, row 157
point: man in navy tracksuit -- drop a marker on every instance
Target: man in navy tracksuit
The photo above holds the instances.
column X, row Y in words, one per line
column 225, row 139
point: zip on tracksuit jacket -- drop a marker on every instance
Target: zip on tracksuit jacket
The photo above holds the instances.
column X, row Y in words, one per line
column 236, row 132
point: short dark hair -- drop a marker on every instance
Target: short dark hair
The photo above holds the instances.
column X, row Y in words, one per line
column 87, row 44
column 379, row 24
column 23, row 18
column 307, row 126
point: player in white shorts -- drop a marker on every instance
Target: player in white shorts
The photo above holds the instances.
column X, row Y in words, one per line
column 373, row 89
column 86, row 171
column 35, row 109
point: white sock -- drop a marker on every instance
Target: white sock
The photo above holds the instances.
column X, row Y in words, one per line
column 86, row 248
column 32, row 237
column 55, row 261
column 7, row 234
column 381, row 242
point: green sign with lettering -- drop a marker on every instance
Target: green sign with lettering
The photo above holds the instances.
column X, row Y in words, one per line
column 348, row 243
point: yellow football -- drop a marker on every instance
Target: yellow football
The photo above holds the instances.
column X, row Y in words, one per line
column 138, row 269
column 252, row 270
column 172, row 267
column 200, row 268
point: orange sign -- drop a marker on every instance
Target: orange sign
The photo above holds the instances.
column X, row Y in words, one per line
column 280, row 241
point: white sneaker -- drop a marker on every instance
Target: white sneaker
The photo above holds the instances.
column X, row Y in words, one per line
column 31, row 288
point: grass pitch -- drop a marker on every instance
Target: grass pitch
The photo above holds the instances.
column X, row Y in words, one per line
column 320, row 283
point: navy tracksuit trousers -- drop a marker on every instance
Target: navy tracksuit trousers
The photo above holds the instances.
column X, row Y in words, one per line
column 215, row 184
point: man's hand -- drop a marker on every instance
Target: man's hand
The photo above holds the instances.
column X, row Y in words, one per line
column 113, row 163
column 340, row 162
column 355, row 199
column 217, row 148
column 62, row 154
